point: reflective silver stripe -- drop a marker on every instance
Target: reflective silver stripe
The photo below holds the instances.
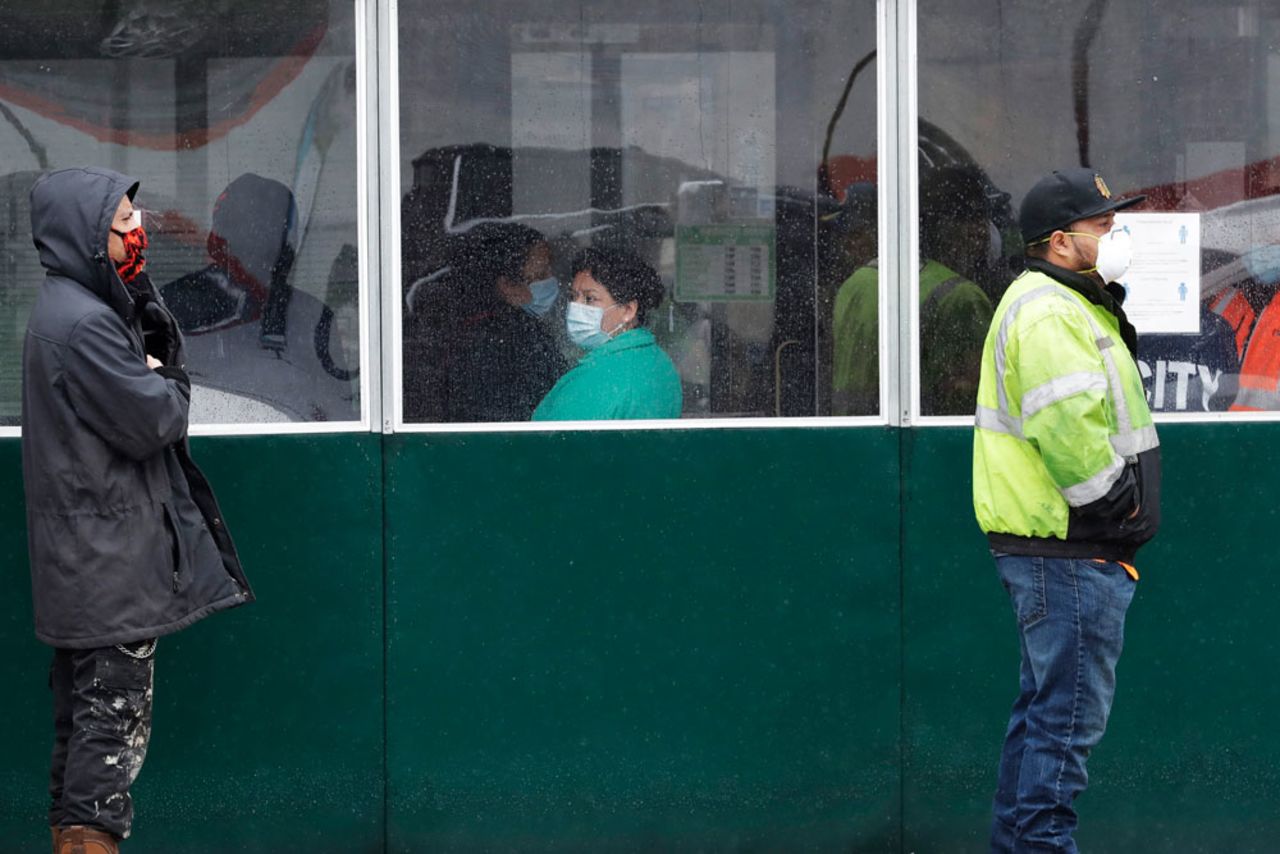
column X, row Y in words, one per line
column 1104, row 343
column 1118, row 399
column 997, row 422
column 1256, row 398
column 1060, row 388
column 1134, row 443
column 1220, row 305
column 1002, row 337
column 1095, row 487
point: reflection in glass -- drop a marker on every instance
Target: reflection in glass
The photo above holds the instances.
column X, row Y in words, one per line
column 258, row 349
column 1028, row 89
column 239, row 119
column 958, row 210
column 689, row 136
column 479, row 344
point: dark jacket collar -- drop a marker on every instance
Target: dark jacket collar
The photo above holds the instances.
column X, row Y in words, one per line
column 1088, row 287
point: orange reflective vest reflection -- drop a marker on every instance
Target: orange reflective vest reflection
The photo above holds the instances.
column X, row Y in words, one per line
column 1260, row 368
column 1235, row 309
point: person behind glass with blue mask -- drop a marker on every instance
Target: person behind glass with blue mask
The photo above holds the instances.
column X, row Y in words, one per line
column 623, row 372
column 498, row 351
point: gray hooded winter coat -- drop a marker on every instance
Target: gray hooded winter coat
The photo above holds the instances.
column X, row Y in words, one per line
column 125, row 538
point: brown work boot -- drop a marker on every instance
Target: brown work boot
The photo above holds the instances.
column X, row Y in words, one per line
column 56, row 831
column 86, row 840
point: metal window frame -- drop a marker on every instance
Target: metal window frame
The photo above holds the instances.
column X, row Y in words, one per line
column 909, row 291
column 366, row 54
column 892, row 233
column 368, row 75
column 368, row 191
column 378, row 216
column 899, row 234
column 392, row 411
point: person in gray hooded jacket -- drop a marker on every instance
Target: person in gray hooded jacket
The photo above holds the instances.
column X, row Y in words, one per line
column 125, row 538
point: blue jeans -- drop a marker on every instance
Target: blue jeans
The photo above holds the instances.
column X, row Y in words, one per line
column 1071, row 626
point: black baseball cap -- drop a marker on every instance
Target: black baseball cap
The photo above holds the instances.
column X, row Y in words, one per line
column 1066, row 196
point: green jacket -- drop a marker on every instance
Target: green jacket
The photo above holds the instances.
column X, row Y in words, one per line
column 626, row 377
column 954, row 314
column 1065, row 454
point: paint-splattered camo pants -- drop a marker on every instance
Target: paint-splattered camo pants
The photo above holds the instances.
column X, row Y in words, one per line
column 102, row 723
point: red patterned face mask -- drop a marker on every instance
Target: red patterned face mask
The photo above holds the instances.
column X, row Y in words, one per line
column 135, row 249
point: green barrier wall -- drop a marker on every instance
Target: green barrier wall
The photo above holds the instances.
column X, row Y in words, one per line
column 643, row 641
column 694, row 640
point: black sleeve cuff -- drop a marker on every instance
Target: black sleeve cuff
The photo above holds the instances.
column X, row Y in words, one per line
column 176, row 374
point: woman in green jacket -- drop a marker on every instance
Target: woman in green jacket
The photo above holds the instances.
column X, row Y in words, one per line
column 624, row 373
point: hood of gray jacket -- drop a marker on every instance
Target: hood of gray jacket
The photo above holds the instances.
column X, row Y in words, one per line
column 71, row 215
column 124, row 536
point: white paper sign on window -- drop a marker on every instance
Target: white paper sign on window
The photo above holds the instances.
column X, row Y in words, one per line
column 1163, row 282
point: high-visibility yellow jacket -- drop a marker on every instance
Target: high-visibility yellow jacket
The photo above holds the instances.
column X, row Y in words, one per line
column 1065, row 454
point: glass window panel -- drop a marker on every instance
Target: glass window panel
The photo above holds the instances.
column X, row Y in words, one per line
column 1022, row 89
column 690, row 137
column 239, row 121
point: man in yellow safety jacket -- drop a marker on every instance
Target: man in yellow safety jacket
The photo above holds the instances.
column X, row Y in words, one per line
column 1066, row 485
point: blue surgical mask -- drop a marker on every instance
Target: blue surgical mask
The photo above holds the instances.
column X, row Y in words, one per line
column 583, row 322
column 544, row 293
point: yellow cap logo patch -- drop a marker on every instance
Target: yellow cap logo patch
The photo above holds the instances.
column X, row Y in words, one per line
column 1102, row 186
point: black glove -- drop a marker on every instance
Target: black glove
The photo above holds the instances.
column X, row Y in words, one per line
column 159, row 332
column 160, row 336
